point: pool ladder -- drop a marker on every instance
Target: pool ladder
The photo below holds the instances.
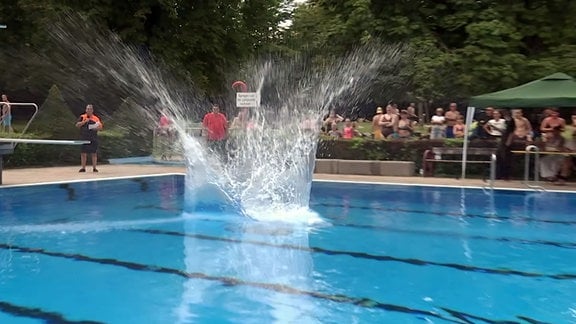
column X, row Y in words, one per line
column 532, row 149
column 8, row 148
column 490, row 185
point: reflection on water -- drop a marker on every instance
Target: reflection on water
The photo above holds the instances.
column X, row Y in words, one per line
column 259, row 254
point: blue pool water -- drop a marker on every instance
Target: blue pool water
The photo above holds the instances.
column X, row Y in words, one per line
column 123, row 251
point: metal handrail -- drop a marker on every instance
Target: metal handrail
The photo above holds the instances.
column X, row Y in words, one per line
column 532, row 149
column 31, row 118
column 493, row 159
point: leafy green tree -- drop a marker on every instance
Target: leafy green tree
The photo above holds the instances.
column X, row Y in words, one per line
column 461, row 47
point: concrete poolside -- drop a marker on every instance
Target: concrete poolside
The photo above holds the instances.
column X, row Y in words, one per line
column 29, row 176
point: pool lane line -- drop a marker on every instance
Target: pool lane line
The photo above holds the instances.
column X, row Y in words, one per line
column 363, row 255
column 39, row 313
column 564, row 245
column 233, row 282
column 455, row 214
column 469, row 318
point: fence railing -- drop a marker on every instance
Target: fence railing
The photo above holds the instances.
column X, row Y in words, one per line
column 167, row 145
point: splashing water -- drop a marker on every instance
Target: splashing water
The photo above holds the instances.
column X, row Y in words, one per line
column 267, row 173
column 271, row 159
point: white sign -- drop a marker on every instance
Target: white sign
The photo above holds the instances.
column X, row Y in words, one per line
column 247, row 99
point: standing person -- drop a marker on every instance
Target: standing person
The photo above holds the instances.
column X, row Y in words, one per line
column 89, row 125
column 496, row 127
column 516, row 136
column 460, row 127
column 555, row 168
column 411, row 109
column 481, row 119
column 437, row 130
column 216, row 128
column 332, row 118
column 389, row 122
column 376, row 128
column 165, row 132
column 450, row 119
column 550, row 123
column 6, row 116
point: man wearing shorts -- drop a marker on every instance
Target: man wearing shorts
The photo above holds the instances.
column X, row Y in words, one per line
column 6, row 115
column 89, row 125
column 215, row 126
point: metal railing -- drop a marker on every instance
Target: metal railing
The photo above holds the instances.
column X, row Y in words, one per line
column 166, row 145
column 493, row 160
column 28, row 104
column 532, row 150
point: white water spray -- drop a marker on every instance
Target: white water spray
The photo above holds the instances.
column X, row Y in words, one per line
column 267, row 174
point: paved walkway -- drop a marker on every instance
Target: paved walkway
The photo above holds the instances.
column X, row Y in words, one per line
column 64, row 174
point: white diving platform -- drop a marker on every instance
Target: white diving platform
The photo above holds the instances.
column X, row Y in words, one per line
column 39, row 141
column 7, row 146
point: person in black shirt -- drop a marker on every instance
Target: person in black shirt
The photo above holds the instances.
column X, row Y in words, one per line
column 482, row 118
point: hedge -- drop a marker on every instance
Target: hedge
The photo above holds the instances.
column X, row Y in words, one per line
column 400, row 150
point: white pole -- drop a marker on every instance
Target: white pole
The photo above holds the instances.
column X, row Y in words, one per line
column 469, row 119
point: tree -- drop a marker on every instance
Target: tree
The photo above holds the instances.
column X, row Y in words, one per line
column 54, row 118
column 461, row 47
column 134, row 125
column 199, row 42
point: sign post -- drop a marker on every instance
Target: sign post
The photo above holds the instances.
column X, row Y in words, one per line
column 247, row 99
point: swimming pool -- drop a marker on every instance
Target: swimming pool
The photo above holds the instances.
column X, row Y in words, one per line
column 123, row 251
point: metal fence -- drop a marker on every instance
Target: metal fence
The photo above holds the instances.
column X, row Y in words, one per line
column 167, row 144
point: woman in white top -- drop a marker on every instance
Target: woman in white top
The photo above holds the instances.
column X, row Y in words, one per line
column 437, row 130
column 496, row 126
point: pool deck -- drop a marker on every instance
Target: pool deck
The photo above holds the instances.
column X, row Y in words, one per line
column 12, row 177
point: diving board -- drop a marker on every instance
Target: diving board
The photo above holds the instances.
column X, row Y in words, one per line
column 7, row 146
column 39, row 141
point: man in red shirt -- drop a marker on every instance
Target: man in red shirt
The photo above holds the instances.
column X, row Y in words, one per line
column 215, row 127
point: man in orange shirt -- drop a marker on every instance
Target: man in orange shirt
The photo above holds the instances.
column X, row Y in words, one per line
column 216, row 128
column 89, row 125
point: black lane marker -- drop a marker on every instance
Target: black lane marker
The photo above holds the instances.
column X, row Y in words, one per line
column 362, row 255
column 230, row 281
column 434, row 213
column 531, row 320
column 469, row 318
column 565, row 245
column 38, row 313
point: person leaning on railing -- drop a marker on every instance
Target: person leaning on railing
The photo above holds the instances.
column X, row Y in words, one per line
column 555, row 167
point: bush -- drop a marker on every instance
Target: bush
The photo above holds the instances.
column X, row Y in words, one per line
column 26, row 155
column 55, row 120
column 398, row 150
column 129, row 132
column 118, row 143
